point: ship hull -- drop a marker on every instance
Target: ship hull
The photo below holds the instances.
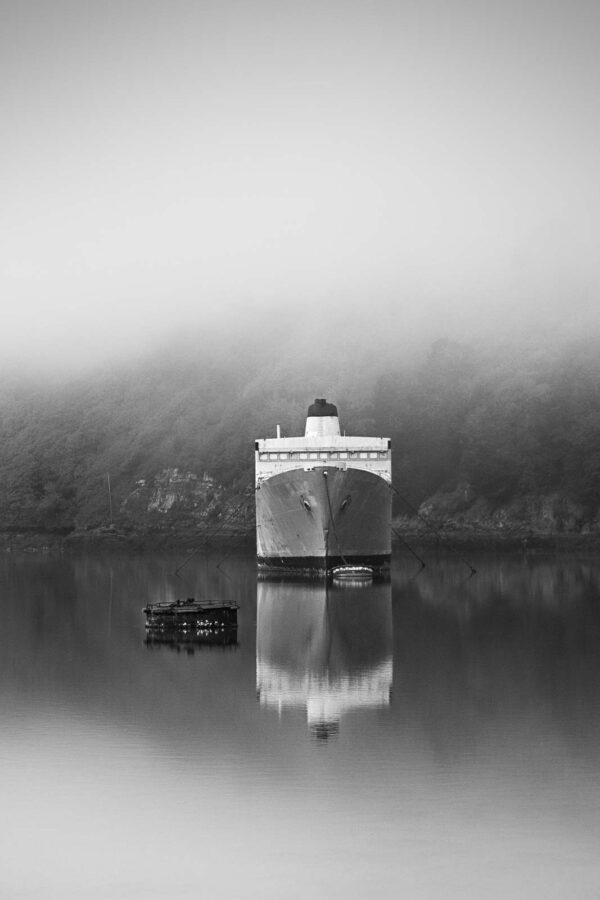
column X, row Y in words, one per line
column 312, row 520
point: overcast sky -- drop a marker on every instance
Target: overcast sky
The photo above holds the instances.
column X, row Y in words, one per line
column 169, row 163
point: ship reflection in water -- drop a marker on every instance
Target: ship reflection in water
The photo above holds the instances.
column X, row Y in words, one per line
column 324, row 648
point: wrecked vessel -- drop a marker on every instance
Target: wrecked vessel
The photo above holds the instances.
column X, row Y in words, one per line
column 323, row 500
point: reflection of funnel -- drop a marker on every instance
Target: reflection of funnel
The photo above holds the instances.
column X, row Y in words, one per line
column 327, row 649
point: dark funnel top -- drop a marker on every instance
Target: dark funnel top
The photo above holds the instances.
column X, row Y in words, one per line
column 322, row 408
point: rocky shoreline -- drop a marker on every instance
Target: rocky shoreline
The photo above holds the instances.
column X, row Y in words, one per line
column 181, row 512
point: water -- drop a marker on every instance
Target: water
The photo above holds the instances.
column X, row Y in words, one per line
column 436, row 737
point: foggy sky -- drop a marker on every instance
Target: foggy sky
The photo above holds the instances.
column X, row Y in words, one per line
column 433, row 165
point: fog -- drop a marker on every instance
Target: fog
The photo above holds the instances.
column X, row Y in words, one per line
column 408, row 170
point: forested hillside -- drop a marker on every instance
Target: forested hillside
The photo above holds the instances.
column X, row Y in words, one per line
column 474, row 431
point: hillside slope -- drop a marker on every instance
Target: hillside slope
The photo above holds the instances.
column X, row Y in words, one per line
column 500, row 439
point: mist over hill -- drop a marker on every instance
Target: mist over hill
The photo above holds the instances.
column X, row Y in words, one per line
column 215, row 212
column 505, row 435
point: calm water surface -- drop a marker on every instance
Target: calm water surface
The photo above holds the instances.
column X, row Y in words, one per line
column 433, row 737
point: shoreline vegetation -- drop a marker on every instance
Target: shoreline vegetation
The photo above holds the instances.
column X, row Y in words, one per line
column 415, row 539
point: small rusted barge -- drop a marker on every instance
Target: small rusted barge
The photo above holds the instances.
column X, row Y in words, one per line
column 199, row 617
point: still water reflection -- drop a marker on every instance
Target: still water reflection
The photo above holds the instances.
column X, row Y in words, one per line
column 325, row 649
column 431, row 737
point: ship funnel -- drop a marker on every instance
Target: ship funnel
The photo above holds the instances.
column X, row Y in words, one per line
column 322, row 419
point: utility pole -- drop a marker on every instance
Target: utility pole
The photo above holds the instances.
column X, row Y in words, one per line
column 109, row 499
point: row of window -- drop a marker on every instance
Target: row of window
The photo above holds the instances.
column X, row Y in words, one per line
column 332, row 454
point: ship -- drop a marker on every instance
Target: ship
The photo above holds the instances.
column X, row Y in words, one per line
column 324, row 500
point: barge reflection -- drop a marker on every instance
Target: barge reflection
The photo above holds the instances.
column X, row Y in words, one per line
column 327, row 649
column 192, row 641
